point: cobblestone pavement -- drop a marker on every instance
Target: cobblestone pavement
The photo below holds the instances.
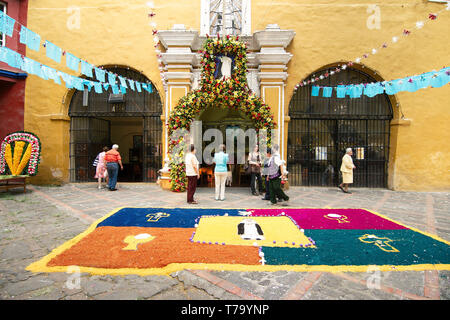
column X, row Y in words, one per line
column 34, row 223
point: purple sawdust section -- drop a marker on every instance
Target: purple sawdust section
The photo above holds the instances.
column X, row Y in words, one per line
column 332, row 218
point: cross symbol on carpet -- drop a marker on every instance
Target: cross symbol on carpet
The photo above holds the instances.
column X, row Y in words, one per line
column 153, row 217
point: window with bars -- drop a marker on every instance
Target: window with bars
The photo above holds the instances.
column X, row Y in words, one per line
column 2, row 35
column 225, row 17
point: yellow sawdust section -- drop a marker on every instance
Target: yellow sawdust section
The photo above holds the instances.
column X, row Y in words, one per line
column 223, row 229
column 41, row 265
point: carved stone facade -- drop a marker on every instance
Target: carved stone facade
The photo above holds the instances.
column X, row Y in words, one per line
column 267, row 68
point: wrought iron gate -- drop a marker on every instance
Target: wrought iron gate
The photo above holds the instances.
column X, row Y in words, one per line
column 152, row 148
column 322, row 128
column 88, row 136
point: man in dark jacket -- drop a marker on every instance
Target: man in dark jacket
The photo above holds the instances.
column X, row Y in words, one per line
column 274, row 178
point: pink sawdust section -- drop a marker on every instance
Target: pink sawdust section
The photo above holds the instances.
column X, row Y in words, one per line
column 332, row 218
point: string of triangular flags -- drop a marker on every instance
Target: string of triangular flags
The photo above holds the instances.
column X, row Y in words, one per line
column 32, row 40
column 375, row 50
column 18, row 61
column 434, row 79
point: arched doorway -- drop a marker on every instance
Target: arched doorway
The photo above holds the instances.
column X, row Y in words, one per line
column 322, row 128
column 132, row 120
column 229, row 93
column 226, row 121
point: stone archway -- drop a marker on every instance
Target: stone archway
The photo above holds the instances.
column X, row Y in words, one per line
column 217, row 125
column 321, row 128
column 232, row 92
column 132, row 120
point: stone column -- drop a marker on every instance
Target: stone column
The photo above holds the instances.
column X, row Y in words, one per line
column 178, row 60
column 272, row 59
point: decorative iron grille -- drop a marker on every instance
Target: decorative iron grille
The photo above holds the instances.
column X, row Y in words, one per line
column 322, row 128
column 225, row 17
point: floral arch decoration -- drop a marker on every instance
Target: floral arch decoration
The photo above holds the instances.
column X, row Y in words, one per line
column 228, row 92
column 20, row 154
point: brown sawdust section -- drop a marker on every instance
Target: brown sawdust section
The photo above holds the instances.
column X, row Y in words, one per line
column 102, row 248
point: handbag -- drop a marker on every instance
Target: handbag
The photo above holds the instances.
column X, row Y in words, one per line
column 254, row 168
column 247, row 168
column 95, row 163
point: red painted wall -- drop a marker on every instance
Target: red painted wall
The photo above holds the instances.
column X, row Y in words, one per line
column 12, row 91
column 12, row 101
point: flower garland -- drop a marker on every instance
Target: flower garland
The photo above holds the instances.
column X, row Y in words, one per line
column 14, row 160
column 232, row 92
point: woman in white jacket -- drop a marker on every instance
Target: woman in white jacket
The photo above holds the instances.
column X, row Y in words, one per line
column 347, row 168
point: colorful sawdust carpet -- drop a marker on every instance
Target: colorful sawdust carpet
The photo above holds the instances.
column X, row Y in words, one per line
column 149, row 241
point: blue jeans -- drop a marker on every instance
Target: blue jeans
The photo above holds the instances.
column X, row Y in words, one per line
column 113, row 171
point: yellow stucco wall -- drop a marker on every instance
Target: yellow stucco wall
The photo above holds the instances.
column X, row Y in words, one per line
column 110, row 33
column 336, row 31
column 326, row 32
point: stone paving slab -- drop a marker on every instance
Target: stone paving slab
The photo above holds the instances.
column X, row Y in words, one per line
column 35, row 222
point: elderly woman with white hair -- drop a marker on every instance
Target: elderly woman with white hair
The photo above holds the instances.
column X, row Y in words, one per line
column 347, row 168
column 113, row 161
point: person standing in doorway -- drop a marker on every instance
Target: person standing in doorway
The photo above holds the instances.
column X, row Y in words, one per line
column 274, row 176
column 254, row 160
column 113, row 161
column 347, row 168
column 220, row 172
column 101, row 172
column 192, row 173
